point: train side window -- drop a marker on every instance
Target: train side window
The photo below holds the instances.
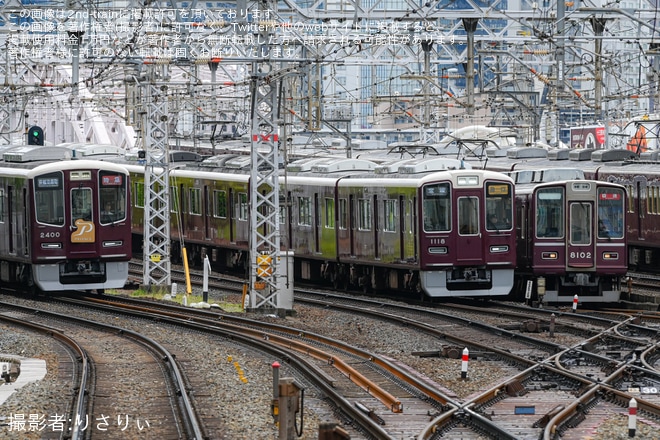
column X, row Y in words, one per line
column 364, row 213
column 282, row 214
column 49, row 199
column 242, row 206
column 390, row 211
column 195, row 201
column 139, row 194
column 174, row 199
column 220, row 204
column 329, row 213
column 630, row 193
column 468, row 215
column 343, row 214
column 304, row 211
column 550, row 212
column 436, row 207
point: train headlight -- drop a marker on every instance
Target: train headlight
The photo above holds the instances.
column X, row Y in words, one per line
column 117, row 243
column 549, row 255
column 499, row 249
column 610, row 255
column 438, row 250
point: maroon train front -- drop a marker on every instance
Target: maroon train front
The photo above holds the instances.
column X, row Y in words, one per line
column 571, row 240
column 65, row 223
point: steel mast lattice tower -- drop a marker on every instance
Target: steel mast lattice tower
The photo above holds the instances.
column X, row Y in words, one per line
column 156, row 180
column 265, row 261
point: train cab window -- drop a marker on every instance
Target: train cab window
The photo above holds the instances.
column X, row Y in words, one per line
column 49, row 198
column 468, row 215
column 436, row 207
column 81, row 204
column 550, row 212
column 610, row 213
column 112, row 196
column 499, row 206
column 580, row 218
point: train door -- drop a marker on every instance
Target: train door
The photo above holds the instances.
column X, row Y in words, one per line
column 580, row 250
column 24, row 229
column 351, row 223
column 469, row 242
column 402, row 228
column 182, row 210
column 413, row 226
column 206, row 212
column 11, row 219
column 376, row 227
column 640, row 190
column 317, row 223
column 83, row 232
column 232, row 216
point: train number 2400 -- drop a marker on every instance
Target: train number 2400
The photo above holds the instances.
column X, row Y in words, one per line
column 54, row 234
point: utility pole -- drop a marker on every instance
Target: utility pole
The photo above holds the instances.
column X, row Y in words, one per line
column 470, row 25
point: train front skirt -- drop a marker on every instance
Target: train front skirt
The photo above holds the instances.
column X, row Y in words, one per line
column 81, row 275
column 474, row 281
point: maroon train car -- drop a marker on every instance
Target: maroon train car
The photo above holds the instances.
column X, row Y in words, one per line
column 642, row 183
column 572, row 240
column 65, row 223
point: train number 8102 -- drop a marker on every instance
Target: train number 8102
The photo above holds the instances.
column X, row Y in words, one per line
column 581, row 255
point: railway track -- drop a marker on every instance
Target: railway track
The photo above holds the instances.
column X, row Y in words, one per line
column 385, row 399
column 106, row 372
column 567, row 382
column 570, row 391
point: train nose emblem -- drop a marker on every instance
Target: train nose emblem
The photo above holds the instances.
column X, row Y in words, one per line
column 84, row 232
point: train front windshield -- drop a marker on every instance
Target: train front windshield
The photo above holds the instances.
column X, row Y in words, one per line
column 499, row 206
column 112, row 196
column 610, row 213
column 49, row 198
column 550, row 212
column 436, row 207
